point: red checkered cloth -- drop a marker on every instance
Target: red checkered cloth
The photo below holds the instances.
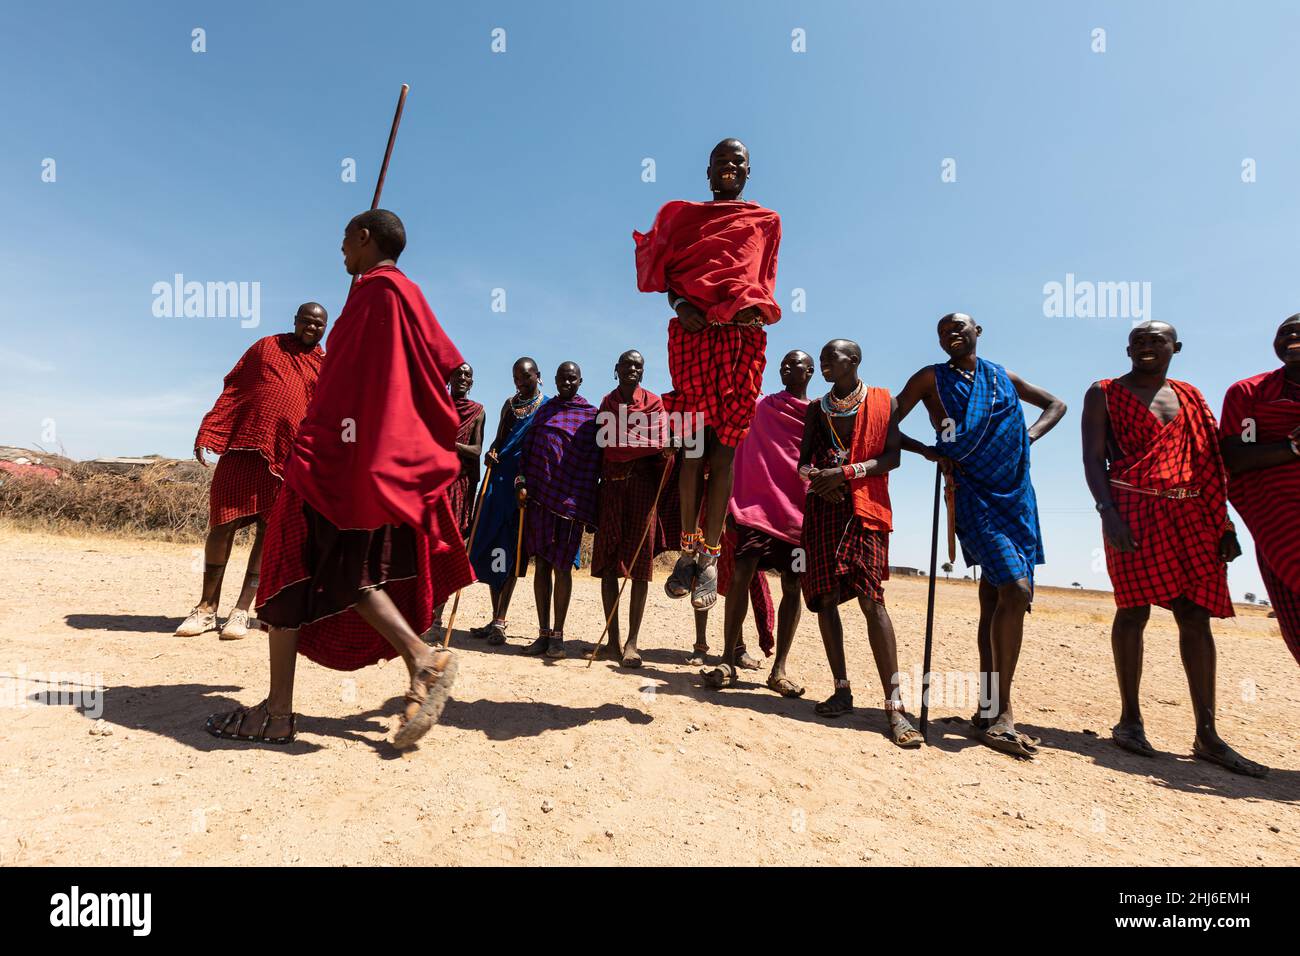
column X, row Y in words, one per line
column 264, row 399
column 1286, row 605
column 461, row 491
column 1268, row 499
column 717, row 372
column 343, row 641
column 840, row 549
column 1177, row 539
column 625, row 510
column 243, row 489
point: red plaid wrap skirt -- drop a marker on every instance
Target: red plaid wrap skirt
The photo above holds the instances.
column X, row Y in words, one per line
column 625, row 504
column 243, row 489
column 841, row 552
column 1286, row 605
column 313, row 574
column 717, row 372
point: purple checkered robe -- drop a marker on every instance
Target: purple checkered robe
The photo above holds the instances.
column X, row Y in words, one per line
column 561, row 460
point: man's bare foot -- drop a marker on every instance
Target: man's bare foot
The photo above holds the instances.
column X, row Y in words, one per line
column 1216, row 751
column 254, row 725
column 609, row 651
column 745, row 661
column 630, row 657
column 698, row 655
column 1133, row 738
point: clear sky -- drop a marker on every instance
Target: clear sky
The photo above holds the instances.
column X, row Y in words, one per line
column 523, row 171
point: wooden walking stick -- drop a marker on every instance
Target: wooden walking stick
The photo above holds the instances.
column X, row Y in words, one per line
column 654, row 512
column 519, row 540
column 929, row 611
column 473, row 528
column 388, row 154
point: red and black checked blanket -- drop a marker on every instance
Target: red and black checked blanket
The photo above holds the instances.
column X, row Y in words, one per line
column 243, row 487
column 627, row 497
column 263, row 401
column 344, row 641
column 1177, row 539
column 1268, row 499
column 717, row 372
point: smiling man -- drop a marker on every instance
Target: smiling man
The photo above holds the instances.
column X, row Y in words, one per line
column 1151, row 457
column 1261, row 446
column 717, row 262
column 850, row 443
column 983, row 445
column 362, row 543
column 469, row 446
column 252, row 426
column 633, row 449
column 556, row 486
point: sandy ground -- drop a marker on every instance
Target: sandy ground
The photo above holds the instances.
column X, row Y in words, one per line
column 557, row 763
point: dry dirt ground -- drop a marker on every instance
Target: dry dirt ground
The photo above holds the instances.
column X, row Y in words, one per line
column 556, row 763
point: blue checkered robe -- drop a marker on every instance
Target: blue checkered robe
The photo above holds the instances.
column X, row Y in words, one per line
column 997, row 513
column 493, row 554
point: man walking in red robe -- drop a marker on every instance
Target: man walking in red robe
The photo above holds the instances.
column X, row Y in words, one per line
column 362, row 543
column 252, row 426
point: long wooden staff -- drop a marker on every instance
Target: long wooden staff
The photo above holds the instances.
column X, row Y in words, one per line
column 654, row 511
column 388, row 154
column 929, row 611
column 473, row 529
column 519, row 540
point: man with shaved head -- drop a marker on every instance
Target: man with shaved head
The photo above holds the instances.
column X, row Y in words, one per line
column 495, row 541
column 717, row 262
column 629, row 532
column 766, row 518
column 252, row 427
column 362, row 544
column 850, row 444
column 1153, row 464
column 982, row 445
column 556, row 485
column 1261, row 446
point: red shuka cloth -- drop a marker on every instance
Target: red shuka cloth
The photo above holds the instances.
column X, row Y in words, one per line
column 377, row 445
column 768, row 492
column 720, row 255
column 1177, row 539
column 1268, row 500
column 871, row 494
column 264, row 399
column 627, row 432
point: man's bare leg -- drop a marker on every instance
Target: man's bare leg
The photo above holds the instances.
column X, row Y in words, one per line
column 283, row 648
column 1127, row 647
column 884, row 648
column 699, row 653
column 988, row 596
column 542, row 599
column 609, row 584
column 717, row 495
column 690, row 488
column 635, row 612
column 216, row 554
column 249, row 591
column 832, row 631
column 735, row 607
column 788, row 613
column 1196, row 646
column 563, row 592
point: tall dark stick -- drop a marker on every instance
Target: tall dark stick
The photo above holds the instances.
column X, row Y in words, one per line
column 388, row 154
column 929, row 611
column 388, row 151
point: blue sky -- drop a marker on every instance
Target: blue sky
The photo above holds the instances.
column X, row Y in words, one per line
column 522, row 170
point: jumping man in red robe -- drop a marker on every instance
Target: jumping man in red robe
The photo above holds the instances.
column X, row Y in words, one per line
column 717, row 262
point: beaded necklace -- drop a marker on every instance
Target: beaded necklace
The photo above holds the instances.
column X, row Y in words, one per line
column 526, row 408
